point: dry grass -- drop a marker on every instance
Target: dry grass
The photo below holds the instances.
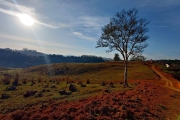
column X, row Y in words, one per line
column 59, row 74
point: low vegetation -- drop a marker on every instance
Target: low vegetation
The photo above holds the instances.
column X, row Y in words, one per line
column 22, row 87
column 173, row 69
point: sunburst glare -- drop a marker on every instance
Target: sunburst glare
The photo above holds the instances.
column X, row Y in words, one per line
column 26, row 19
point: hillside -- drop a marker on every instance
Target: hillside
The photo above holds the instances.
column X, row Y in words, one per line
column 27, row 58
column 30, row 52
column 43, row 92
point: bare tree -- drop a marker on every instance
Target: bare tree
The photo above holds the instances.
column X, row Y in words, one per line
column 126, row 34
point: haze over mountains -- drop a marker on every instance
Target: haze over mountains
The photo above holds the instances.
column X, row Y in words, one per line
column 27, row 58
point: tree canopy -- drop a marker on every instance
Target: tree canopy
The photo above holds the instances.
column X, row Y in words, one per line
column 116, row 57
column 126, row 33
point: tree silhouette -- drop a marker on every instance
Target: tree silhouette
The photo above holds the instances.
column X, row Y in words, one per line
column 126, row 34
column 16, row 80
column 116, row 57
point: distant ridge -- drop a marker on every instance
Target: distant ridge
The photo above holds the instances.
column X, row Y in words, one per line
column 27, row 58
column 28, row 52
column 107, row 59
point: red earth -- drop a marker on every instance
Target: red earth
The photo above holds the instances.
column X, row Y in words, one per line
column 150, row 100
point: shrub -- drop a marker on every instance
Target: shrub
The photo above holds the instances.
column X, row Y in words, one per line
column 53, row 86
column 39, row 79
column 6, row 81
column 64, row 92
column 72, row 88
column 32, row 82
column 38, row 95
column 88, row 81
column 10, row 88
column 24, row 81
column 177, row 75
column 111, row 85
column 16, row 80
column 103, row 83
column 5, row 96
column 82, row 85
column 29, row 93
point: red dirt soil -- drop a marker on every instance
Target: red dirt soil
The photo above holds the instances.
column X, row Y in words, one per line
column 147, row 101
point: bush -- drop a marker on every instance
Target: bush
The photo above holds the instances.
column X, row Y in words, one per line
column 10, row 88
column 72, row 88
column 88, row 81
column 53, row 86
column 177, row 75
column 64, row 92
column 6, row 81
column 103, row 83
column 16, row 80
column 83, row 85
column 38, row 95
column 5, row 96
column 24, row 81
column 111, row 84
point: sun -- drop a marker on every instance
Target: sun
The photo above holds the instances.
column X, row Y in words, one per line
column 26, row 19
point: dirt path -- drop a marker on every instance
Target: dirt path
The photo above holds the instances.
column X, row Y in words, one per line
column 169, row 83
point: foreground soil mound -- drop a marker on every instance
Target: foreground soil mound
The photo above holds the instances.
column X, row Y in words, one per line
column 146, row 102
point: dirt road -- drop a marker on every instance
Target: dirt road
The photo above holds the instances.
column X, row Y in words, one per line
column 169, row 83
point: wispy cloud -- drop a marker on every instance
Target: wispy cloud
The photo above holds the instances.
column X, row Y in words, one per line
column 60, row 25
column 9, row 12
column 89, row 27
column 18, row 8
column 89, row 21
column 21, row 9
column 22, row 40
column 80, row 35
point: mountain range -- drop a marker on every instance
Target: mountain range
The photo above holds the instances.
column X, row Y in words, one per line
column 26, row 58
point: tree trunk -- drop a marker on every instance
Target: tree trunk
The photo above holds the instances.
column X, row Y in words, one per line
column 125, row 73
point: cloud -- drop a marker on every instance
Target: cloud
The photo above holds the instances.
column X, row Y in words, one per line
column 87, row 26
column 34, row 41
column 94, row 22
column 20, row 9
column 60, row 25
column 9, row 12
column 90, row 21
column 80, row 35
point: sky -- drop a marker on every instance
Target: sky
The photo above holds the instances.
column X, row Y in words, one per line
column 72, row 27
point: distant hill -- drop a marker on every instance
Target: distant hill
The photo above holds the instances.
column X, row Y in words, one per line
column 30, row 52
column 107, row 59
column 27, row 58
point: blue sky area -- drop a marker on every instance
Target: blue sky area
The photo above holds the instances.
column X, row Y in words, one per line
column 72, row 27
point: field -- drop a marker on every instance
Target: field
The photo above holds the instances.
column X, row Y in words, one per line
column 91, row 81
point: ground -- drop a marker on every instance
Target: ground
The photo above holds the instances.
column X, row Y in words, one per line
column 156, row 99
